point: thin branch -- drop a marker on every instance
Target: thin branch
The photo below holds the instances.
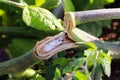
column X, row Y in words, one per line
column 20, row 5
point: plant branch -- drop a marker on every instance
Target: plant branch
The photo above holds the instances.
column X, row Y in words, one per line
column 43, row 50
column 16, row 31
column 20, row 5
column 92, row 15
column 86, row 69
column 94, row 66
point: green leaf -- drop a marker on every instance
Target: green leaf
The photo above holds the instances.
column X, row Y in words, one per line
column 95, row 4
column 60, row 61
column 80, row 4
column 68, row 5
column 29, row 2
column 40, row 19
column 27, row 73
column 92, row 45
column 96, row 74
column 105, row 55
column 79, row 76
column 90, row 53
column 74, row 65
column 38, row 77
column 106, row 64
column 20, row 46
column 51, row 72
column 110, row 1
column 39, row 2
column 94, row 28
column 4, row 20
column 57, row 74
column 1, row 12
column 49, row 4
column 105, row 60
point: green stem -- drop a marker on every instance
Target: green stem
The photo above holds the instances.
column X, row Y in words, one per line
column 40, row 52
column 72, row 19
column 13, row 3
column 93, row 15
column 17, row 31
column 94, row 66
column 26, row 32
column 82, row 36
column 86, row 69
column 18, row 64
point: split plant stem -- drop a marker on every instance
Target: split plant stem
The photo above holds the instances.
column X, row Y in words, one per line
column 39, row 53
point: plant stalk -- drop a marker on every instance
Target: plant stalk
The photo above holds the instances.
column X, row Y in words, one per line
column 42, row 50
column 13, row 3
column 16, row 31
column 18, row 64
column 80, row 17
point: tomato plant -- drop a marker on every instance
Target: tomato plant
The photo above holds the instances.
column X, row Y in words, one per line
column 24, row 22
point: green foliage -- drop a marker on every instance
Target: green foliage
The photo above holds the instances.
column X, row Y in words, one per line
column 68, row 6
column 94, row 28
column 79, row 76
column 20, row 46
column 92, row 45
column 50, row 4
column 37, row 14
column 74, row 64
column 40, row 19
column 57, row 74
column 60, row 61
column 38, row 77
column 39, row 2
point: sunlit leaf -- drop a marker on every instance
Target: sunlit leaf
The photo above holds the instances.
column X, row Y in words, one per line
column 1, row 12
column 57, row 74
column 90, row 53
column 40, row 19
column 91, row 1
column 27, row 73
column 110, row 1
column 39, row 2
column 4, row 20
column 38, row 77
column 105, row 55
column 79, row 76
column 92, row 45
column 106, row 64
column 68, row 5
